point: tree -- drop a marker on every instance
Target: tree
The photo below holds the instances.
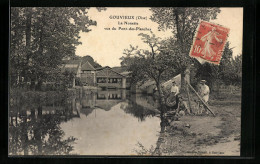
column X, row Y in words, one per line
column 183, row 22
column 228, row 72
column 41, row 37
column 237, row 64
column 91, row 61
column 148, row 64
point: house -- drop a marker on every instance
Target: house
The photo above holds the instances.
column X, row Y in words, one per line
column 73, row 66
column 88, row 74
column 108, row 78
column 104, row 77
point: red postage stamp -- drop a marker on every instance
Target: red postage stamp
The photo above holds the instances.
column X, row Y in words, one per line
column 209, row 42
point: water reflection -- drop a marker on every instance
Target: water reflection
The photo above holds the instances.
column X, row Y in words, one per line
column 38, row 135
column 84, row 123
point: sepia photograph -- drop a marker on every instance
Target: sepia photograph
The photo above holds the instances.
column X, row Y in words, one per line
column 125, row 81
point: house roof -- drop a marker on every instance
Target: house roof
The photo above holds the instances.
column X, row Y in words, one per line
column 99, row 70
column 87, row 67
column 120, row 69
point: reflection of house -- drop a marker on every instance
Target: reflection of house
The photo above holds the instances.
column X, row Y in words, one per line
column 103, row 99
column 88, row 100
column 111, row 95
column 107, row 99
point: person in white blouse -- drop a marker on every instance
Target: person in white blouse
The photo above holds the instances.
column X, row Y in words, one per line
column 174, row 89
column 175, row 92
column 204, row 91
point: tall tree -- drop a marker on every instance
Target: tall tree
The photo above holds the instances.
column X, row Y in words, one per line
column 183, row 22
column 41, row 37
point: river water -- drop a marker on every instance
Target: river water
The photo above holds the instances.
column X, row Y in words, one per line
column 112, row 122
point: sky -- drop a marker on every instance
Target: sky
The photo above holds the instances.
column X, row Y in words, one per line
column 107, row 46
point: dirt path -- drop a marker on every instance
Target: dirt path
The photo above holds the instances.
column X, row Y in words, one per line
column 204, row 135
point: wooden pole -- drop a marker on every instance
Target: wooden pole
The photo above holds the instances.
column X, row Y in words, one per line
column 187, row 81
column 201, row 99
column 188, row 94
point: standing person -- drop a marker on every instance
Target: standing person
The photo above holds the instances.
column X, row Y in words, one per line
column 204, row 93
column 175, row 91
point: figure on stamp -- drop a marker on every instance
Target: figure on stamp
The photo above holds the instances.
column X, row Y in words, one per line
column 208, row 39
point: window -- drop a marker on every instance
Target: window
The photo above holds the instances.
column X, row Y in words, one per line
column 114, row 80
column 114, row 96
column 101, row 80
column 101, row 96
column 110, row 80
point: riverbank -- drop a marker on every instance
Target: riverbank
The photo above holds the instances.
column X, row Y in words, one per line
column 193, row 135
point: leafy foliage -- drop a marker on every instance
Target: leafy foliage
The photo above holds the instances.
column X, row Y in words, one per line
column 183, row 21
column 41, row 37
column 228, row 72
column 145, row 64
column 90, row 60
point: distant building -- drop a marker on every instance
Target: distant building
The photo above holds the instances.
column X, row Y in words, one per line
column 104, row 77
column 88, row 74
column 107, row 78
column 73, row 66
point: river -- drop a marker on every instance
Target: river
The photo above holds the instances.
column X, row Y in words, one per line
column 111, row 122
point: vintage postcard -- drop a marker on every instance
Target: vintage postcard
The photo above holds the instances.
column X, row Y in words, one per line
column 146, row 81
